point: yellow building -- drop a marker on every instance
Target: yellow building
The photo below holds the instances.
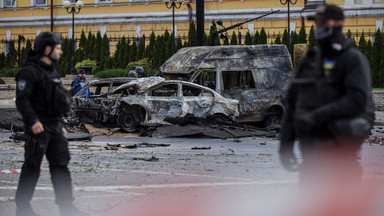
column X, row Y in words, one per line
column 135, row 18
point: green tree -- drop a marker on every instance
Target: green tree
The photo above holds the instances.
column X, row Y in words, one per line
column 256, row 37
column 133, row 53
column 168, row 45
column 104, row 52
column 294, row 40
column 362, row 43
column 116, row 55
column 149, row 50
column 378, row 60
column 302, row 38
column 349, row 35
column 278, row 39
column 179, row 44
column 140, row 49
column 233, row 39
column 311, row 38
column 192, row 37
column 2, row 60
column 25, row 51
column 80, row 52
column 285, row 37
column 212, row 31
column 262, row 37
column 97, row 47
column 248, row 39
column 368, row 51
column 88, row 46
column 123, row 56
column 10, row 60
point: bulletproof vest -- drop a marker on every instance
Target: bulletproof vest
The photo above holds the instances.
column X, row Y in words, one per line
column 317, row 82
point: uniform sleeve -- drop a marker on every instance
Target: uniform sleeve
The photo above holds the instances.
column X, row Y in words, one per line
column 25, row 84
column 357, row 86
column 287, row 138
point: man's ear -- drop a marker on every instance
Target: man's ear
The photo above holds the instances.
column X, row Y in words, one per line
column 47, row 50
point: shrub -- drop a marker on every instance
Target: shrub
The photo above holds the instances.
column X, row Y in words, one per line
column 142, row 62
column 9, row 72
column 89, row 63
column 110, row 73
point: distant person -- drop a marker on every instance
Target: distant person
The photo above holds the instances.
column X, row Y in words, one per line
column 132, row 74
column 140, row 72
column 80, row 79
column 42, row 101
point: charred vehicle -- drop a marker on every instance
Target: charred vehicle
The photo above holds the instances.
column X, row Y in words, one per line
column 90, row 109
column 150, row 100
column 257, row 76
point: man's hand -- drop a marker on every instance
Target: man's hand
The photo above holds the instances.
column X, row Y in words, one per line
column 37, row 128
column 64, row 131
column 289, row 161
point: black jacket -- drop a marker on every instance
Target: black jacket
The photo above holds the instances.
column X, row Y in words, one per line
column 328, row 94
column 34, row 92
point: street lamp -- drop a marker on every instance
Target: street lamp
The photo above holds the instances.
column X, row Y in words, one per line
column 288, row 2
column 72, row 9
column 173, row 5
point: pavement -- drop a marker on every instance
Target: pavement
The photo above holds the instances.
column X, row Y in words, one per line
column 132, row 175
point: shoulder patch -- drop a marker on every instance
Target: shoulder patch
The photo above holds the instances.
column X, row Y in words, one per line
column 21, row 84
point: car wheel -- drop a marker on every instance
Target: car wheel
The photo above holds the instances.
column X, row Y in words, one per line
column 272, row 119
column 128, row 121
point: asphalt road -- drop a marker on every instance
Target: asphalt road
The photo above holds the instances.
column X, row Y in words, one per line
column 189, row 177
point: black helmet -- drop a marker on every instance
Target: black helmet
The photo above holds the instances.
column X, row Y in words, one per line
column 46, row 39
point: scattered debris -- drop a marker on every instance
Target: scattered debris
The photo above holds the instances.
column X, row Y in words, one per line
column 262, row 143
column 151, row 159
column 201, row 148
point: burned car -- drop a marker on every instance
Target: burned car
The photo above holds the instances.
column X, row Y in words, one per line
column 257, row 76
column 152, row 99
column 89, row 109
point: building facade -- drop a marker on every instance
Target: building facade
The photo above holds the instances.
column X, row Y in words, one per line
column 138, row 18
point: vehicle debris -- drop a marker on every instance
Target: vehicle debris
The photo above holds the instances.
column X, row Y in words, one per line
column 201, row 148
column 257, row 76
column 148, row 101
column 151, row 159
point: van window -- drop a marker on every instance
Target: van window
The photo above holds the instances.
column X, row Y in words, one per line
column 238, row 80
column 207, row 79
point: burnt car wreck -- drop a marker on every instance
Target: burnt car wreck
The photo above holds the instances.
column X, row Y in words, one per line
column 257, row 76
column 149, row 101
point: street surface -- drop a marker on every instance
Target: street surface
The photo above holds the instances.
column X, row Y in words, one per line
column 232, row 177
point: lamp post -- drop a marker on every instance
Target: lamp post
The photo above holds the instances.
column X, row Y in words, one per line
column 173, row 4
column 288, row 2
column 72, row 9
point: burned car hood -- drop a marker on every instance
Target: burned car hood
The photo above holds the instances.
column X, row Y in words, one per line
column 142, row 83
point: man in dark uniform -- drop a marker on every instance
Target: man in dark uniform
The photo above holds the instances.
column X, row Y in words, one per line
column 329, row 104
column 36, row 99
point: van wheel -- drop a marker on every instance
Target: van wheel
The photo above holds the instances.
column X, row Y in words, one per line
column 128, row 121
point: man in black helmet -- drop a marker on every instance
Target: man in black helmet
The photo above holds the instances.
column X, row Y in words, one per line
column 38, row 100
column 330, row 108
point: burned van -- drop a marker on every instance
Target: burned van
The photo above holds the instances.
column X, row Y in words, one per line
column 258, row 76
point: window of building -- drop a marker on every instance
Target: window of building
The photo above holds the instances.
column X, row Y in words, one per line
column 104, row 1
column 358, row 1
column 9, row 3
column 38, row 2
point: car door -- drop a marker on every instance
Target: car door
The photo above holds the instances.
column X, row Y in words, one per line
column 165, row 101
column 197, row 101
